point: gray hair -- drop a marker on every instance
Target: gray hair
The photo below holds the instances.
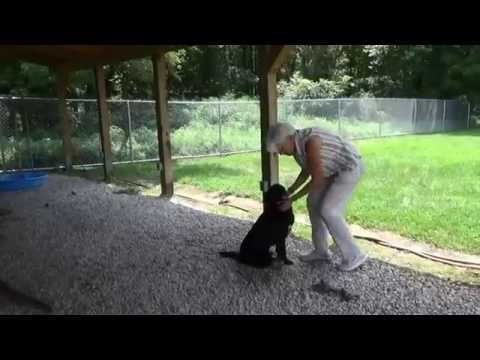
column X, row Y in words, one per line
column 277, row 135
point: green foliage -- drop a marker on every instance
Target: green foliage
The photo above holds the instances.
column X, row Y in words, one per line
column 312, row 71
column 301, row 88
column 87, row 149
column 119, row 141
column 349, row 127
column 229, row 72
column 197, row 129
column 144, row 143
column 199, row 138
column 46, row 152
column 25, row 79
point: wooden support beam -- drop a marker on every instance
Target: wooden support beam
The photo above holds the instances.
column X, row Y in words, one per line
column 80, row 57
column 270, row 59
column 104, row 119
column 65, row 118
column 268, row 117
column 278, row 55
column 163, row 127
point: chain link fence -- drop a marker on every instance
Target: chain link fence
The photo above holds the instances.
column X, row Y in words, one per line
column 30, row 132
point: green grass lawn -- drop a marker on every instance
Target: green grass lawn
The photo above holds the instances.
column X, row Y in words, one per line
column 426, row 187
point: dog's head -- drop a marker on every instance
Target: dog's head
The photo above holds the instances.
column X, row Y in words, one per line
column 274, row 195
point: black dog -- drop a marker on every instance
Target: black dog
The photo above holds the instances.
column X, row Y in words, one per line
column 271, row 228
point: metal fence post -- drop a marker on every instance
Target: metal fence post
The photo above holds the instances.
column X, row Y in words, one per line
column 414, row 119
column 339, row 116
column 2, row 148
column 444, row 115
column 29, row 140
column 129, row 130
column 468, row 117
column 17, row 143
column 220, row 145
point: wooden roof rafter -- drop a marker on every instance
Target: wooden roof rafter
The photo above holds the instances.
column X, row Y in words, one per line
column 79, row 57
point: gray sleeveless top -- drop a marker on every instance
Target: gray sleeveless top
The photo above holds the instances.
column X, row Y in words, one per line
column 337, row 154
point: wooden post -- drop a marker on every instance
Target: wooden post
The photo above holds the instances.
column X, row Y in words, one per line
column 268, row 117
column 270, row 59
column 104, row 122
column 65, row 118
column 163, row 128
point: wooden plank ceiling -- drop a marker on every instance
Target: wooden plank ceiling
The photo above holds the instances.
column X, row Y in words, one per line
column 78, row 57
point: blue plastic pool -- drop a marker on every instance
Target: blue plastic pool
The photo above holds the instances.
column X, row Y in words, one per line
column 22, row 180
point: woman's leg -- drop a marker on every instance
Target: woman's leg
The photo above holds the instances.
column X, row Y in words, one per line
column 332, row 209
column 319, row 232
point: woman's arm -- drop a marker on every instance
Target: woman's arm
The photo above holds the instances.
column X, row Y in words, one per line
column 304, row 191
column 301, row 178
column 313, row 149
column 317, row 183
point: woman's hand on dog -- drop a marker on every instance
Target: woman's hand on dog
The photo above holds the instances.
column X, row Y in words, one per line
column 285, row 204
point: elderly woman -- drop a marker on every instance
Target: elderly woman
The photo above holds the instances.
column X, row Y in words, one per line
column 334, row 167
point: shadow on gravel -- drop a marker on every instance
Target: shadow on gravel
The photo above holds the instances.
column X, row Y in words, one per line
column 11, row 296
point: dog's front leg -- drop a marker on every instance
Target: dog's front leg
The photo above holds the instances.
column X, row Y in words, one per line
column 282, row 252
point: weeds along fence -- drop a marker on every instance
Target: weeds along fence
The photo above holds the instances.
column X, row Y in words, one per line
column 30, row 132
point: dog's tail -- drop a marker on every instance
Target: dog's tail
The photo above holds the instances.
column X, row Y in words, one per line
column 229, row 254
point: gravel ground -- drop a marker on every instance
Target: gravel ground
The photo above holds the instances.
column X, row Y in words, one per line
column 96, row 252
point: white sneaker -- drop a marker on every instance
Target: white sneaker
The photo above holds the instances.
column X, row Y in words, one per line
column 316, row 256
column 353, row 264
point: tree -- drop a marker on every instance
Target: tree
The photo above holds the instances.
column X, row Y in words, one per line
column 197, row 72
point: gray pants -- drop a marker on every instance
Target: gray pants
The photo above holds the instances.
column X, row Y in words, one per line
column 327, row 214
